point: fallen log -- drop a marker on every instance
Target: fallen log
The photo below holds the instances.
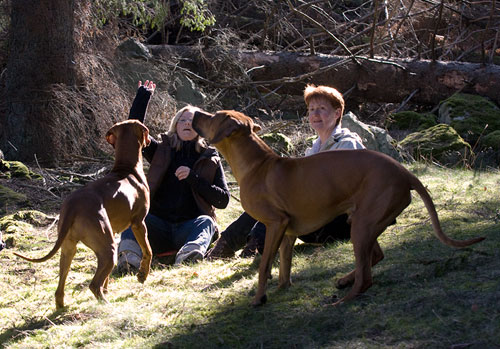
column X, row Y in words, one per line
column 369, row 80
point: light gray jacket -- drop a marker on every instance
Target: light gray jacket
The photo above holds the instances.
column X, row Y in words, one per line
column 341, row 138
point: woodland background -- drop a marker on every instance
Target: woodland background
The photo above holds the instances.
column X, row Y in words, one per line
column 68, row 71
column 64, row 81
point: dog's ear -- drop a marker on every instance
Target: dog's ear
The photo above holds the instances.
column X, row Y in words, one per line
column 226, row 128
column 145, row 136
column 256, row 128
column 110, row 137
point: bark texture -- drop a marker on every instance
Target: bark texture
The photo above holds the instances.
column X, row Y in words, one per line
column 41, row 54
column 366, row 80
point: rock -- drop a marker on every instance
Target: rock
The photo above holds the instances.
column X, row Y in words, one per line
column 280, row 143
column 9, row 197
column 374, row 138
column 133, row 48
column 492, row 140
column 469, row 115
column 16, row 169
column 186, row 91
column 410, row 121
column 441, row 143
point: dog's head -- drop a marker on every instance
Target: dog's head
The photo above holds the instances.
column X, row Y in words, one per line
column 133, row 126
column 224, row 123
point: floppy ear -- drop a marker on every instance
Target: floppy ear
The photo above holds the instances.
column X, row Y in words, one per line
column 225, row 129
column 145, row 136
column 110, row 136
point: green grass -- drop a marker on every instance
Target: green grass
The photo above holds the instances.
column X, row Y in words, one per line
column 425, row 294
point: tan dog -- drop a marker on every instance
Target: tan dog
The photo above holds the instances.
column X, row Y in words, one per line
column 295, row 196
column 94, row 213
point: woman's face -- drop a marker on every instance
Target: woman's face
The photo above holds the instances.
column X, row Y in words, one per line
column 322, row 115
column 184, row 126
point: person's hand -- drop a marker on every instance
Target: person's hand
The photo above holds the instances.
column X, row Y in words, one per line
column 182, row 172
column 148, row 85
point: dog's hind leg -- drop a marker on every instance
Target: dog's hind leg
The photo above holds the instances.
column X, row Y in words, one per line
column 377, row 256
column 361, row 277
column 286, row 249
column 105, row 249
column 105, row 264
column 68, row 250
column 274, row 234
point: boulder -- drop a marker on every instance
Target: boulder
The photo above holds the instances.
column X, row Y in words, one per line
column 374, row 138
column 471, row 116
column 280, row 143
column 440, row 143
column 133, row 48
column 410, row 121
column 186, row 91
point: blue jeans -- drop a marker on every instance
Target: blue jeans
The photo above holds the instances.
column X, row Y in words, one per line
column 164, row 236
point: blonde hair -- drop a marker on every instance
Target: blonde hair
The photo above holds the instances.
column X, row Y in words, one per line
column 175, row 141
column 331, row 94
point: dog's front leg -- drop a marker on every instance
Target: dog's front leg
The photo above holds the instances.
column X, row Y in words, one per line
column 274, row 234
column 141, row 235
column 286, row 250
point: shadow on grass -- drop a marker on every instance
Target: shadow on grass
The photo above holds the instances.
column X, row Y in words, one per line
column 425, row 294
column 58, row 317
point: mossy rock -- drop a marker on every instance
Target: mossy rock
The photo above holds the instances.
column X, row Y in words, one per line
column 492, row 140
column 16, row 169
column 9, row 197
column 280, row 143
column 411, row 121
column 20, row 225
column 441, row 143
column 469, row 115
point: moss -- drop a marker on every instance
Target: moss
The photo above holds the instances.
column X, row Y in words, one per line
column 280, row 143
column 33, row 217
column 410, row 120
column 437, row 142
column 9, row 197
column 22, row 221
column 16, row 169
column 492, row 140
column 469, row 115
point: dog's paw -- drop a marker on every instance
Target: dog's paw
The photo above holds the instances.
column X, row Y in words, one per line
column 141, row 276
column 343, row 283
column 259, row 301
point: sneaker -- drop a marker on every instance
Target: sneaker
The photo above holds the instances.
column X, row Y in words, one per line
column 128, row 263
column 189, row 257
column 220, row 250
column 251, row 249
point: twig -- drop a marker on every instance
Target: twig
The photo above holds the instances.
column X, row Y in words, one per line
column 401, row 106
column 319, row 25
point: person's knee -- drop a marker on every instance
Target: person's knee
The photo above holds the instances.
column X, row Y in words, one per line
column 206, row 221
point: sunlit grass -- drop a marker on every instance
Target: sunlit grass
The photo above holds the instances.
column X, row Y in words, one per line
column 424, row 295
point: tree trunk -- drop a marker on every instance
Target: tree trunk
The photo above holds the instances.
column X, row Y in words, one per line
column 367, row 80
column 41, row 54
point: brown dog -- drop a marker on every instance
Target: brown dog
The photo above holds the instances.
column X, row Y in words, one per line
column 94, row 213
column 295, row 196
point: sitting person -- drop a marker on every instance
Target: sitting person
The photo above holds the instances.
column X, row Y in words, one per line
column 325, row 108
column 187, row 183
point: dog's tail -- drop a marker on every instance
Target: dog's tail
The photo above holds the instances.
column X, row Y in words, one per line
column 62, row 231
column 429, row 204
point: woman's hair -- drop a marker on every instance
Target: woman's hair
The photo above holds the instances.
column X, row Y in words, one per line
column 175, row 141
column 329, row 93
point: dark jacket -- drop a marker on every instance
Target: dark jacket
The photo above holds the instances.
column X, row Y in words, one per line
column 200, row 193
